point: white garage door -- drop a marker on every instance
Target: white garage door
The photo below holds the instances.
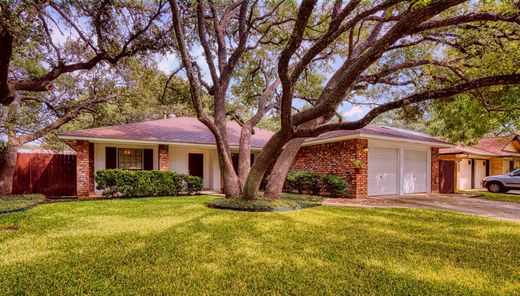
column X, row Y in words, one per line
column 465, row 174
column 382, row 171
column 480, row 172
column 415, row 175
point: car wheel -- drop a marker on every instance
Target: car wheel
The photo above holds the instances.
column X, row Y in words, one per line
column 495, row 187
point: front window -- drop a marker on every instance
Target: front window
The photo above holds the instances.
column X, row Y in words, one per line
column 130, row 159
column 516, row 173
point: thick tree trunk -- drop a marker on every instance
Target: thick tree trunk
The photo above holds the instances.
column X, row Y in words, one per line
column 283, row 163
column 231, row 184
column 279, row 172
column 7, row 170
column 232, row 187
column 265, row 159
column 6, row 50
column 244, row 157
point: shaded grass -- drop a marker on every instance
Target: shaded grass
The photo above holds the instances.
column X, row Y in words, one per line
column 494, row 196
column 179, row 246
column 14, row 202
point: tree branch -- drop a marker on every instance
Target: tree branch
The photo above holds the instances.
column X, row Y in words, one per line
column 201, row 29
column 304, row 14
column 415, row 98
column 64, row 119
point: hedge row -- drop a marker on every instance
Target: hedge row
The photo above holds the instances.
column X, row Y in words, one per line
column 312, row 183
column 146, row 183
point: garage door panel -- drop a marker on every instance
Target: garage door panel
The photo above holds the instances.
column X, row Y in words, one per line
column 382, row 171
column 415, row 171
column 383, row 179
column 415, row 155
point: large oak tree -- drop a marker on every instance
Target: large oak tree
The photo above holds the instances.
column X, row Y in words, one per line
column 389, row 53
column 53, row 55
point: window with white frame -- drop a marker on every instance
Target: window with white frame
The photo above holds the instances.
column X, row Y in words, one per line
column 130, row 159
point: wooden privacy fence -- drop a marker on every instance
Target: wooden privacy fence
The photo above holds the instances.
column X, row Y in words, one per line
column 49, row 174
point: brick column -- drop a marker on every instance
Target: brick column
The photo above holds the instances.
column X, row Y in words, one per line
column 435, row 170
column 164, row 158
column 82, row 168
column 360, row 180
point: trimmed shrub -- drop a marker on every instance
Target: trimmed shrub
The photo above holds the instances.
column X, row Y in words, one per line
column 193, row 184
column 290, row 181
column 334, row 185
column 145, row 183
column 108, row 181
column 303, row 181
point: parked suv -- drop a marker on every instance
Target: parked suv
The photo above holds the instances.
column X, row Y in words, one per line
column 502, row 183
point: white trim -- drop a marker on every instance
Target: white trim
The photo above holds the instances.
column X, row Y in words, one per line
column 309, row 143
column 400, row 190
column 368, row 136
column 125, row 141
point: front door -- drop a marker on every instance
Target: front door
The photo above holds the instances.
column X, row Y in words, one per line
column 447, row 176
column 196, row 164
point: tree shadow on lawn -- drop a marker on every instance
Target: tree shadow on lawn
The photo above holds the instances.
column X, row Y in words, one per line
column 315, row 251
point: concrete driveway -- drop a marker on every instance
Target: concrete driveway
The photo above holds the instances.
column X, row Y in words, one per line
column 451, row 202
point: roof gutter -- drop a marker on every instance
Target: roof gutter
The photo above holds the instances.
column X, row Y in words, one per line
column 469, row 154
column 127, row 141
column 369, row 136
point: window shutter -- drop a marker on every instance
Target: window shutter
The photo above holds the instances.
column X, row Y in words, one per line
column 147, row 159
column 234, row 160
column 110, row 157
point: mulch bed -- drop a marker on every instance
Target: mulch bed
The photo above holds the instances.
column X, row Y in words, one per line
column 282, row 209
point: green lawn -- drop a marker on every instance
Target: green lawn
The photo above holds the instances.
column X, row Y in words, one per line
column 178, row 246
column 494, row 196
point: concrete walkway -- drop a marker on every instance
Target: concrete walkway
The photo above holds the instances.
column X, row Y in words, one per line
column 451, row 202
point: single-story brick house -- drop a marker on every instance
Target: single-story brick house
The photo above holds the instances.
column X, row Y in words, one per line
column 490, row 156
column 397, row 161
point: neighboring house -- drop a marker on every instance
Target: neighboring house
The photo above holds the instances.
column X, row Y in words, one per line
column 491, row 156
column 397, row 161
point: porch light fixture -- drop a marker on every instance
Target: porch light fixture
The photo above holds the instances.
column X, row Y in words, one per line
column 365, row 149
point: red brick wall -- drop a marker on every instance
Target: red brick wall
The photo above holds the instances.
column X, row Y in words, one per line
column 435, row 174
column 336, row 158
column 164, row 158
column 83, row 168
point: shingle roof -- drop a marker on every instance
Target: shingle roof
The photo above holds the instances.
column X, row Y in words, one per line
column 383, row 131
column 492, row 146
column 191, row 130
column 171, row 130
